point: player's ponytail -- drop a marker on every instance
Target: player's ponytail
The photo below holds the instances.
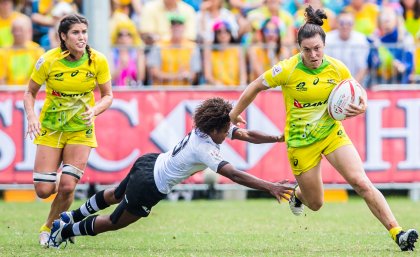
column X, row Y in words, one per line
column 89, row 52
column 314, row 21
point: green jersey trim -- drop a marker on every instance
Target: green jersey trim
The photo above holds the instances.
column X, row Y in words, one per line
column 316, row 71
column 75, row 64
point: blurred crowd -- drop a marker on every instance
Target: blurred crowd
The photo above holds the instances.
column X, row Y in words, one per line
column 219, row 42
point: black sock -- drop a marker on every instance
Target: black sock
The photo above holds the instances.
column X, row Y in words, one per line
column 94, row 204
column 85, row 227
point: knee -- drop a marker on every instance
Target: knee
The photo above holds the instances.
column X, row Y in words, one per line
column 44, row 192
column 316, row 204
column 362, row 186
column 66, row 189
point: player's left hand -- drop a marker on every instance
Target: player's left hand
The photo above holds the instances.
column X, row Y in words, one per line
column 353, row 110
column 89, row 115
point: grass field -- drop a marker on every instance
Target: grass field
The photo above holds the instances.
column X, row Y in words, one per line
column 221, row 228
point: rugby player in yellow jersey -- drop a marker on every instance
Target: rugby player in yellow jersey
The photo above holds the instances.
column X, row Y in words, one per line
column 65, row 132
column 307, row 80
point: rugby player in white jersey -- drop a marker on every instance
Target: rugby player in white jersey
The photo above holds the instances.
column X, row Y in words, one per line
column 153, row 175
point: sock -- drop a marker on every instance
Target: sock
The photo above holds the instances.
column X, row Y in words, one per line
column 45, row 228
column 82, row 228
column 298, row 202
column 394, row 232
column 94, row 204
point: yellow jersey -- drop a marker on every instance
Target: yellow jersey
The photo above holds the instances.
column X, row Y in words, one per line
column 69, row 87
column 305, row 93
column 17, row 63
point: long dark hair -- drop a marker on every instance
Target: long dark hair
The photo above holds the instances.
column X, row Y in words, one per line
column 64, row 27
column 312, row 26
column 212, row 114
column 416, row 9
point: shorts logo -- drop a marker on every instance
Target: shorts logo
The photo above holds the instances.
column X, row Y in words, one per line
column 295, row 162
column 276, row 70
column 89, row 133
column 147, row 210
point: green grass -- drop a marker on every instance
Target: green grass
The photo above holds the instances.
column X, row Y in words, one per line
column 221, row 228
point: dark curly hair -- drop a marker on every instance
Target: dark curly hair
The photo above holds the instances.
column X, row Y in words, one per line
column 312, row 26
column 64, row 27
column 212, row 114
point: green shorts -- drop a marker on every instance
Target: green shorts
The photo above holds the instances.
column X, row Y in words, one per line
column 302, row 159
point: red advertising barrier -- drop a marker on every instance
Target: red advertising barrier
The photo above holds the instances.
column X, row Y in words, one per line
column 387, row 137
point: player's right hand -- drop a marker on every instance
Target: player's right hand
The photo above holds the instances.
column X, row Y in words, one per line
column 34, row 127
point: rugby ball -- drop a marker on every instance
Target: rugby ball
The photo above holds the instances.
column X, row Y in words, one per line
column 346, row 92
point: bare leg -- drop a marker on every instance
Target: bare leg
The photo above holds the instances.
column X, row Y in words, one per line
column 77, row 156
column 310, row 191
column 47, row 160
column 347, row 162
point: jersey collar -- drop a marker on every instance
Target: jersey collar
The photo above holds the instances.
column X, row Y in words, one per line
column 302, row 66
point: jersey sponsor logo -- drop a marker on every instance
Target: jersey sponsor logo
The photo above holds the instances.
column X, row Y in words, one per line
column 59, row 76
column 301, row 87
column 39, row 63
column 276, row 70
column 316, row 81
column 59, row 94
column 297, row 104
column 74, row 73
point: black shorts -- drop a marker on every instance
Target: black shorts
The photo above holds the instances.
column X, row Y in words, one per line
column 138, row 190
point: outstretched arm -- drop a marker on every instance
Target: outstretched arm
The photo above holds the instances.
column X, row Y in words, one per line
column 256, row 137
column 246, row 99
column 278, row 189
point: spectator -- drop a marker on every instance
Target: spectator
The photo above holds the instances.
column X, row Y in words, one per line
column 396, row 49
column 224, row 62
column 243, row 7
column 127, row 58
column 329, row 23
column 7, row 16
column 176, row 61
column 349, row 46
column 155, row 27
column 411, row 15
column 18, row 60
column 365, row 16
column 125, row 9
column 269, row 51
column 46, row 20
column 272, row 8
column 210, row 12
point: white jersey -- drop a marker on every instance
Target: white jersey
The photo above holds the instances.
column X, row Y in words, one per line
column 195, row 152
